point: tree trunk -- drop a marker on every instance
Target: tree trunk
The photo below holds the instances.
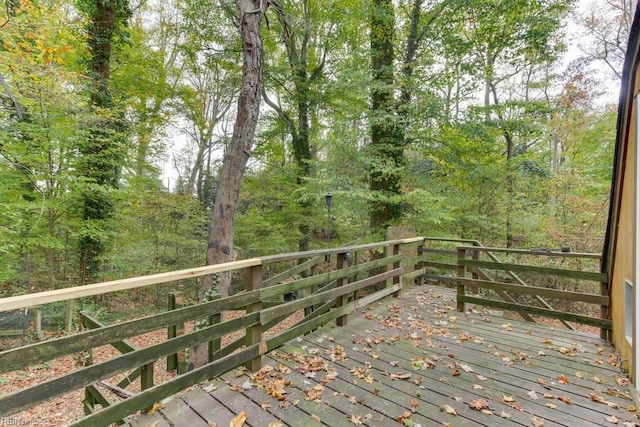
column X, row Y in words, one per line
column 222, row 220
column 100, row 161
column 386, row 148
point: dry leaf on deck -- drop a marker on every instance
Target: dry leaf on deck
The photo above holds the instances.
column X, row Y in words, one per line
column 239, row 420
column 156, row 407
column 449, row 409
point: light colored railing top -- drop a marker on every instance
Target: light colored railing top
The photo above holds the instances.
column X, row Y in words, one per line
column 30, row 300
column 57, row 295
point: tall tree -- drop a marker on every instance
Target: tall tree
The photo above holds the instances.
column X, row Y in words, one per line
column 101, row 151
column 387, row 139
column 222, row 220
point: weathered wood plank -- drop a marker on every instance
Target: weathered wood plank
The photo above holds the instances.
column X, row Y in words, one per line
column 47, row 297
column 323, row 252
column 545, row 253
column 322, row 279
column 24, row 398
column 39, row 352
column 534, row 290
column 292, row 272
column 573, row 274
column 586, row 320
column 322, row 297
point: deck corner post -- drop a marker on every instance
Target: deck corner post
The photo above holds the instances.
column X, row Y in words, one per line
column 605, row 334
column 254, row 333
column 461, row 273
column 176, row 361
column 341, row 300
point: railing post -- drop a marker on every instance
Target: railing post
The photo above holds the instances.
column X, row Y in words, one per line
column 69, row 316
column 420, row 264
column 476, row 257
column 396, row 280
column 341, row 300
column 461, row 273
column 605, row 334
column 37, row 320
column 177, row 361
column 254, row 333
column 214, row 344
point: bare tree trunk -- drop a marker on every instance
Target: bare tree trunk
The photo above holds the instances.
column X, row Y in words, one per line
column 222, row 221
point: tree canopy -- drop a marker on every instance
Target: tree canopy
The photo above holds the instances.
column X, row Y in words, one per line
column 468, row 119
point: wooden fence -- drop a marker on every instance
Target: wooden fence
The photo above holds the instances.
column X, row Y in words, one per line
column 359, row 276
column 473, row 268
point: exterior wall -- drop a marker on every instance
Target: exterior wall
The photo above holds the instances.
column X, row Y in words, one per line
column 624, row 264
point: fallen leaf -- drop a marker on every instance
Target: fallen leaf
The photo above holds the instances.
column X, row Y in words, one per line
column 239, row 420
column 456, row 373
column 537, row 422
column 276, row 424
column 155, row 408
column 478, row 387
column 265, row 405
column 486, row 411
column 517, row 407
column 507, row 399
column 466, row 368
column 562, row 379
column 532, row 394
column 551, row 405
column 315, row 417
column 580, row 375
column 564, row 399
column 547, row 341
column 449, row 409
column 479, row 404
column 481, row 377
column 622, row 381
column 612, row 419
column 505, row 415
column 356, row 419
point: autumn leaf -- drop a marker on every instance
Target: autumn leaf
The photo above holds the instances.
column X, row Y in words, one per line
column 239, row 420
column 562, row 379
column 466, row 368
column 449, row 410
column 479, row 404
column 612, row 419
column 532, row 394
column 265, row 406
column 507, row 399
column 622, row 381
column 537, row 422
column 155, row 408
column 505, row 415
column 547, row 341
column 276, row 424
column 478, row 387
column 564, row 399
column 315, row 417
column 356, row 419
column 551, row 405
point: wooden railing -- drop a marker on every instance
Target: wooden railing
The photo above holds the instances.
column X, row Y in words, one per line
column 326, row 293
column 473, row 268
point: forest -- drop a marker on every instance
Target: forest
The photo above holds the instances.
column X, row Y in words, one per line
column 487, row 119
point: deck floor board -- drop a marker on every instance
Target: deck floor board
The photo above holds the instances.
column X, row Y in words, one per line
column 415, row 357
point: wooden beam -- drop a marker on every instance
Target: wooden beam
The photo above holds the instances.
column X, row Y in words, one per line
column 29, row 300
column 574, row 274
column 571, row 317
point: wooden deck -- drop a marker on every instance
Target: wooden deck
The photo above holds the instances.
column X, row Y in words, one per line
column 415, row 361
